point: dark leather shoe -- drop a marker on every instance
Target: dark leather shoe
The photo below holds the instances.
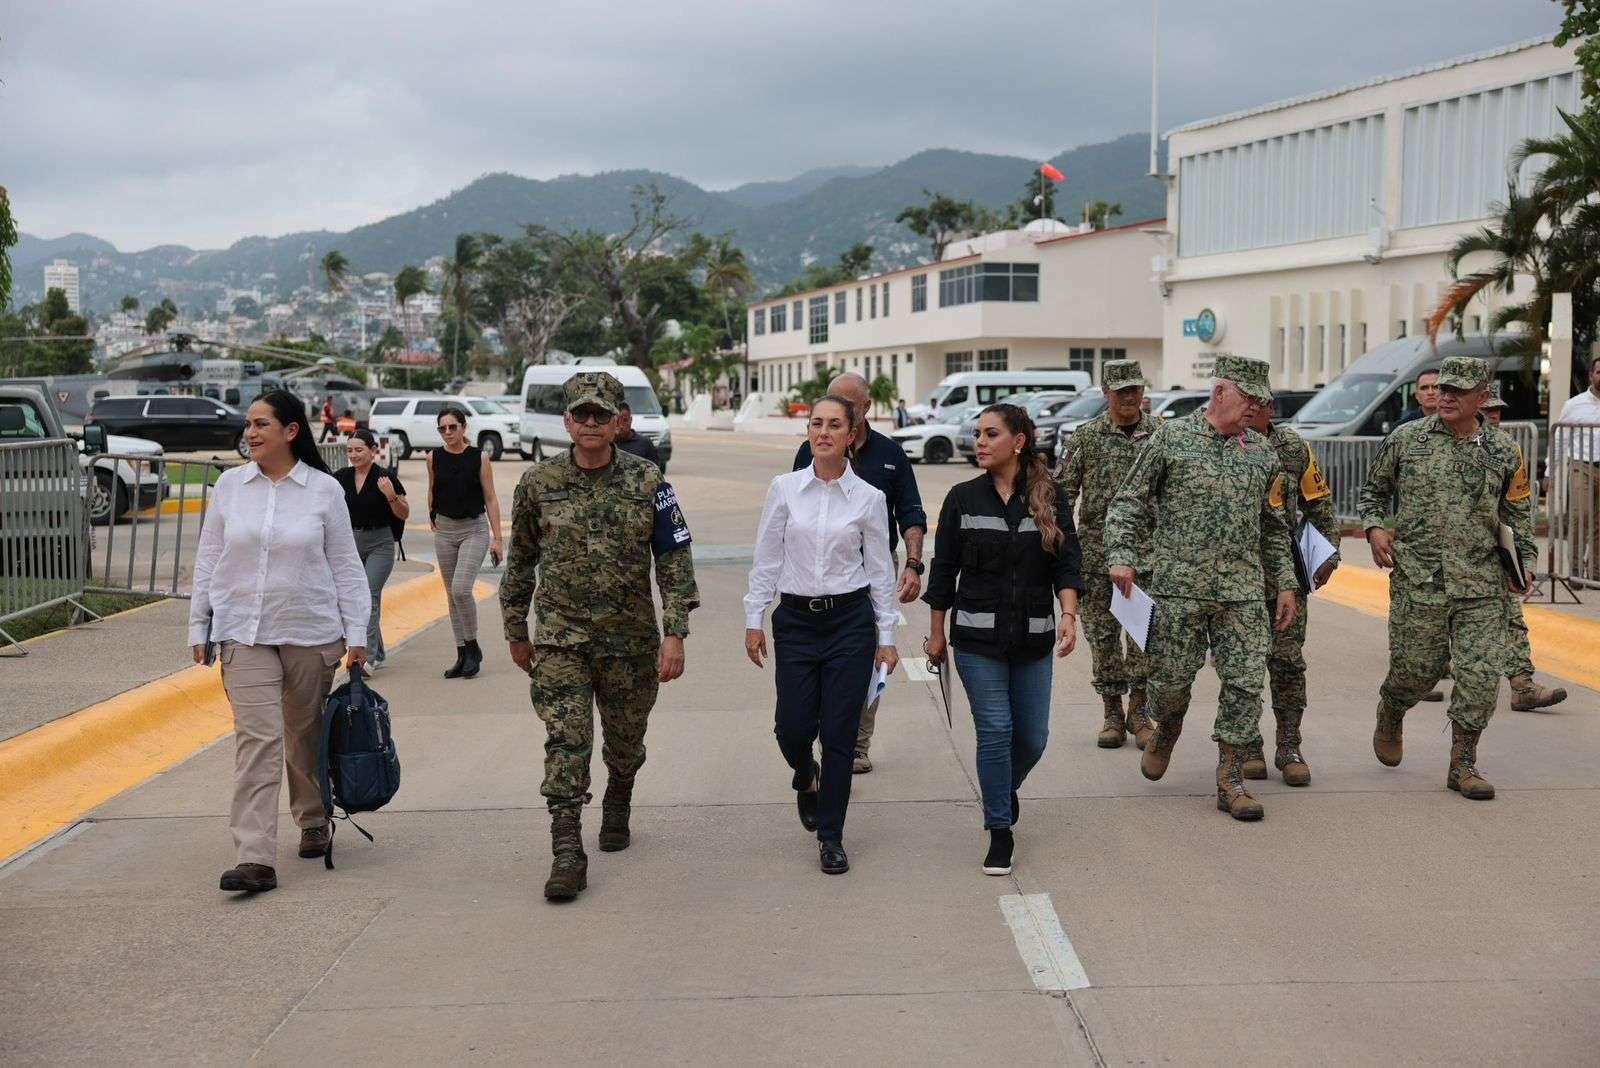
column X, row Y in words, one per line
column 314, row 841
column 806, row 802
column 834, row 862
column 252, row 878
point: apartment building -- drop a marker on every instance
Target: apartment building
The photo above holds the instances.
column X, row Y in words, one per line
column 63, row 275
column 1046, row 296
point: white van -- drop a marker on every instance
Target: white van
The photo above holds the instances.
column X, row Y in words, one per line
column 412, row 423
column 544, row 404
column 967, row 388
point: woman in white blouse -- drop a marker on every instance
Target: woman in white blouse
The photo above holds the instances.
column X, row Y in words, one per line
column 278, row 584
column 823, row 550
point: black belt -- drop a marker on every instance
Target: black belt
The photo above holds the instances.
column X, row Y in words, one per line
column 801, row 603
column 375, row 526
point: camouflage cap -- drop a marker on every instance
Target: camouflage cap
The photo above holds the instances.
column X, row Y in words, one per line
column 593, row 387
column 1250, row 375
column 1494, row 400
column 1464, row 372
column 1121, row 374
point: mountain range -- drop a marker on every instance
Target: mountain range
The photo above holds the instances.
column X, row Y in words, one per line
column 781, row 225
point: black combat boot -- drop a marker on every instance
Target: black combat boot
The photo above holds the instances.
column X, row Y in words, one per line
column 614, row 811
column 569, row 874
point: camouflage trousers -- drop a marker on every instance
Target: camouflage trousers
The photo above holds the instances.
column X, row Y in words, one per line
column 567, row 685
column 1236, row 634
column 1429, row 631
column 1286, row 661
column 1519, row 654
column 1119, row 664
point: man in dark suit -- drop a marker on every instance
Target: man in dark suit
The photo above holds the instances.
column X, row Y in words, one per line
column 637, row 444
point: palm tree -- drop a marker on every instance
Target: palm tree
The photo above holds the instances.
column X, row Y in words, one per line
column 409, row 282
column 130, row 305
column 1516, row 246
column 460, row 272
column 728, row 275
column 336, row 271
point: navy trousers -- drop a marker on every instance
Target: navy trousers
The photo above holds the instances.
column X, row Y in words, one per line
column 824, row 663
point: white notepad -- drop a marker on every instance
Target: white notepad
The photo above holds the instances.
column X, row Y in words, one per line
column 875, row 688
column 1315, row 550
column 1134, row 613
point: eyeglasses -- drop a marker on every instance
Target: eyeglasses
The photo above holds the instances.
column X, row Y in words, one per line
column 591, row 415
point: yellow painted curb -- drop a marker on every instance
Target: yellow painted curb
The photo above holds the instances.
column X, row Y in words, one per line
column 53, row 774
column 1563, row 644
column 172, row 506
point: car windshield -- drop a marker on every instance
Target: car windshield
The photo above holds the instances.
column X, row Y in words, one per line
column 642, row 400
column 1345, row 399
column 488, row 407
column 1085, row 407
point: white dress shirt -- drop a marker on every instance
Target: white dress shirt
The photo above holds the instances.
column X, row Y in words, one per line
column 818, row 539
column 1584, row 408
column 277, row 563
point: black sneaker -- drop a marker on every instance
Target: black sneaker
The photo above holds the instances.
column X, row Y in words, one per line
column 834, row 862
column 1001, row 846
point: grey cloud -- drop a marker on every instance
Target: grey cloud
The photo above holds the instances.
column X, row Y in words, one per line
column 202, row 123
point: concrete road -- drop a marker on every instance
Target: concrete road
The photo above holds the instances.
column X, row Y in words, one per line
column 1373, row 918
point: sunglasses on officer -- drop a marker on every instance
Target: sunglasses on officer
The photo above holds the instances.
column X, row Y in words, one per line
column 591, row 413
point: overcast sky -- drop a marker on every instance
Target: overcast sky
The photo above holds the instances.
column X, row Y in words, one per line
column 200, row 123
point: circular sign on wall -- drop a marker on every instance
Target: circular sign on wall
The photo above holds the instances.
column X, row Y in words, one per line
column 1208, row 327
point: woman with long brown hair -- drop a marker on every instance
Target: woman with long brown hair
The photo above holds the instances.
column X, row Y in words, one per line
column 1005, row 541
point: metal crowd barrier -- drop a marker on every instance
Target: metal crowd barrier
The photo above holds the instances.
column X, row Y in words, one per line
column 1344, row 463
column 44, row 531
column 1574, row 503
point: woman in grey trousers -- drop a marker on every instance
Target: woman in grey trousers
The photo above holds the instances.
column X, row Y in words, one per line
column 377, row 502
column 465, row 516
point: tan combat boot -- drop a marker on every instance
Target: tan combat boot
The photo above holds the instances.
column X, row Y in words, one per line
column 1386, row 738
column 614, row 810
column 1139, row 724
column 1232, row 797
column 1464, row 775
column 1288, row 759
column 1255, row 761
column 1112, row 729
column 1158, row 751
column 569, row 874
column 1529, row 696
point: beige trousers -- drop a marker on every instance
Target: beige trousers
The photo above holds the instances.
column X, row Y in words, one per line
column 277, row 693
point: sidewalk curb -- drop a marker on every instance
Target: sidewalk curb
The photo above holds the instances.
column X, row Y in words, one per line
column 1563, row 644
column 53, row 774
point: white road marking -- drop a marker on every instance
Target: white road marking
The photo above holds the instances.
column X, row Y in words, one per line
column 917, row 669
column 1044, row 946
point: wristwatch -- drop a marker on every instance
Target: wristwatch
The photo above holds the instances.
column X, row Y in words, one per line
column 916, row 567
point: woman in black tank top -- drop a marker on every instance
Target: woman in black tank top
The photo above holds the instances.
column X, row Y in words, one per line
column 465, row 516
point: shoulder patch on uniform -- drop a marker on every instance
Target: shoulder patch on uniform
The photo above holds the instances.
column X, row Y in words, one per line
column 670, row 531
column 1275, row 495
column 1518, row 489
column 1313, row 487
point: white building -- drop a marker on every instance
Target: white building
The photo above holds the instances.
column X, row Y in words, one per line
column 1050, row 296
column 63, row 275
column 1309, row 231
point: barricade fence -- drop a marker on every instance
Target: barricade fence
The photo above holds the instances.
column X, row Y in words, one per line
column 1574, row 503
column 44, row 530
column 1344, row 463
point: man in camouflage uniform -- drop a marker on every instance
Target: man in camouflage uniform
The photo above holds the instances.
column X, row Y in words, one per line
column 590, row 521
column 1458, row 481
column 1526, row 694
column 1306, row 496
column 1099, row 453
column 1211, row 489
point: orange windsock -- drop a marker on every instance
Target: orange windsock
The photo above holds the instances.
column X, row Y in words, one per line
column 1052, row 173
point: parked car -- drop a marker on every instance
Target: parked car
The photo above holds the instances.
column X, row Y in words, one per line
column 1171, row 405
column 1039, row 405
column 511, row 402
column 932, row 443
column 412, row 423
column 544, row 404
column 1287, row 402
column 182, row 424
column 115, row 486
column 985, row 387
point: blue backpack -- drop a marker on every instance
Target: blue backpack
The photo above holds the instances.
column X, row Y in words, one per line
column 357, row 766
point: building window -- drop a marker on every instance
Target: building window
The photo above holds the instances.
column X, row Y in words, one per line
column 956, row 362
column 872, row 301
column 859, row 299
column 1399, row 329
column 989, row 281
column 1344, row 346
column 993, row 359
column 1300, row 347
column 799, row 314
column 1280, row 343
column 1081, row 360
column 761, row 321
column 780, row 318
column 1363, row 340
column 841, row 307
column 819, row 320
column 919, row 292
column 894, row 368
column 1322, row 349
column 886, row 300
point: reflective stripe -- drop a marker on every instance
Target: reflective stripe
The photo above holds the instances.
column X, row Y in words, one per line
column 1041, row 626
column 983, row 522
column 1026, row 525
column 976, row 620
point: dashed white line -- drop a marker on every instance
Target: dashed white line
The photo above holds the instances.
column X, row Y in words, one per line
column 1043, row 945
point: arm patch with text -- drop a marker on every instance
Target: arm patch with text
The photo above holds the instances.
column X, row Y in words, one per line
column 1313, row 487
column 670, row 531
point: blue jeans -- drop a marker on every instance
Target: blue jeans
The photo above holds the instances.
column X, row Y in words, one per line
column 1011, row 714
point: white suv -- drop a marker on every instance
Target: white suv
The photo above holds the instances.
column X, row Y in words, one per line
column 413, row 423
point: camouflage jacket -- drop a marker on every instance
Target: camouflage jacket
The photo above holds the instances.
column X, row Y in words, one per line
column 1454, row 494
column 592, row 542
column 1216, row 507
column 1306, row 494
column 1098, row 455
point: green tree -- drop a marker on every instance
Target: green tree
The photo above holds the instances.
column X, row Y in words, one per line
column 336, row 271
column 55, row 307
column 74, row 354
column 1038, row 201
column 1099, row 214
column 814, row 388
column 1581, row 23
column 727, row 278
column 8, row 240
column 882, row 391
column 129, row 305
column 158, row 318
column 460, row 270
column 856, row 260
column 409, row 282
column 247, row 307
column 943, row 220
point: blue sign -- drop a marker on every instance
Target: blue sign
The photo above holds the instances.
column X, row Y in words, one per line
column 1189, row 327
